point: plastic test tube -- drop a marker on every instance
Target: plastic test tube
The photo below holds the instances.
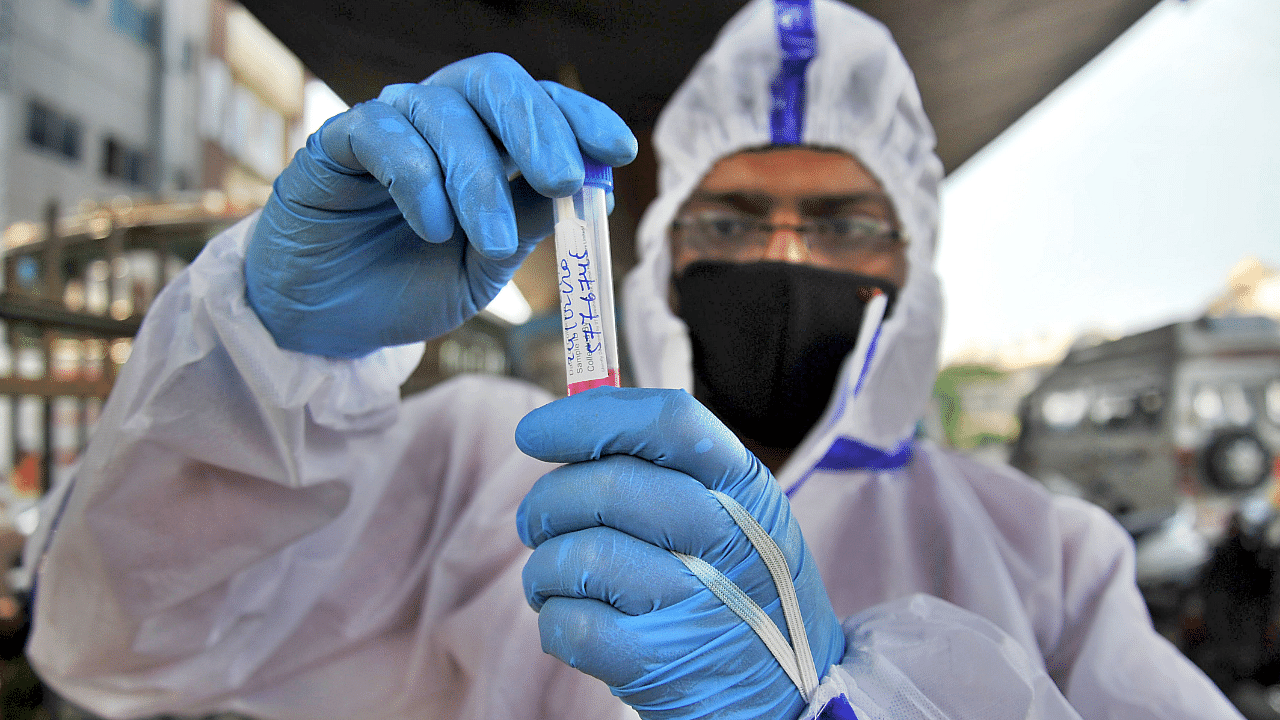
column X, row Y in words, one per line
column 585, row 273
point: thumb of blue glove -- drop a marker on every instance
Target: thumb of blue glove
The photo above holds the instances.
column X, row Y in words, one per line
column 648, row 476
column 397, row 221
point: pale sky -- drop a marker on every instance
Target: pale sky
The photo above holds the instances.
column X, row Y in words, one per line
column 1124, row 199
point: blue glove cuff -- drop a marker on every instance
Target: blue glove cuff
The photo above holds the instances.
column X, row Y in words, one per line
column 837, row 708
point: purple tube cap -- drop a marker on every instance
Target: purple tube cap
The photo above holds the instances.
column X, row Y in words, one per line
column 598, row 174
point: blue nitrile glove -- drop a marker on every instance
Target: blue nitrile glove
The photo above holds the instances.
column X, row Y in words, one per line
column 397, row 221
column 614, row 603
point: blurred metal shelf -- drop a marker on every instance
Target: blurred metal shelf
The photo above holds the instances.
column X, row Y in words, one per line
column 17, row 308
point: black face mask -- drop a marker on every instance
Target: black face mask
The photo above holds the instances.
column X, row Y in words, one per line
column 769, row 339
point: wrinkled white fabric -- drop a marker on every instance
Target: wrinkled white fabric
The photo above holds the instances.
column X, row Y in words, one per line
column 1054, row 574
column 233, row 543
column 921, row 658
column 276, row 534
column 258, row 530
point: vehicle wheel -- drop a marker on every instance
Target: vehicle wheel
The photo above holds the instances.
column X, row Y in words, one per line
column 1237, row 460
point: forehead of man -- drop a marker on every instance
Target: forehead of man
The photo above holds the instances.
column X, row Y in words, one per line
column 789, row 173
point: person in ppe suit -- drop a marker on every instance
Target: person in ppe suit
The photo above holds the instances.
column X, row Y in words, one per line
column 262, row 525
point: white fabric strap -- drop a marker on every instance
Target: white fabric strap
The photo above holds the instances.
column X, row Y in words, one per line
column 773, row 559
column 751, row 613
column 796, row 657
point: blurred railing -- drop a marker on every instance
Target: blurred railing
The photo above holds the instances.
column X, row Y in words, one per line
column 75, row 290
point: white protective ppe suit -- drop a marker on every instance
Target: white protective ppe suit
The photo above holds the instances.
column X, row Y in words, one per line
column 277, row 534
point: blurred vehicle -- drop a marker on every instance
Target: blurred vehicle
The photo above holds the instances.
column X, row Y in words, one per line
column 1145, row 423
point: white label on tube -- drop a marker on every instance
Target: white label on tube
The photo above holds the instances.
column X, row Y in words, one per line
column 580, row 315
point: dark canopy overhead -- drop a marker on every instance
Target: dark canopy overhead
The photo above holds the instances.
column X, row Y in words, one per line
column 980, row 63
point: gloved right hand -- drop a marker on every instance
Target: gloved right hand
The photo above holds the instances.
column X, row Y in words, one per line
column 397, row 221
column 703, row 634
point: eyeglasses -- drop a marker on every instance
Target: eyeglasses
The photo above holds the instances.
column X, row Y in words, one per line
column 727, row 235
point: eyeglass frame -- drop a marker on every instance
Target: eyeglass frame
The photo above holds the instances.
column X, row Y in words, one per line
column 891, row 237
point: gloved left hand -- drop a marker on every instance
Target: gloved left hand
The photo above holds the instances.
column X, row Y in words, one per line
column 398, row 220
column 645, row 467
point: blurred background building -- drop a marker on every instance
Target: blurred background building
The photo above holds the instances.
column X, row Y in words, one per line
column 117, row 116
column 100, row 98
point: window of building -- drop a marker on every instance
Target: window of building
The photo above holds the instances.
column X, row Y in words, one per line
column 124, row 163
column 52, row 130
column 139, row 24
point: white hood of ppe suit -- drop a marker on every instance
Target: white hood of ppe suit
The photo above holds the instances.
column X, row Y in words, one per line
column 861, row 98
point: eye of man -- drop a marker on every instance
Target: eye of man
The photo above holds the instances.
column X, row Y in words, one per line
column 714, row 229
column 725, row 224
column 858, row 228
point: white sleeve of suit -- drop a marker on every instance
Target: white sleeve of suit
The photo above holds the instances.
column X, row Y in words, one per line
column 922, row 658
column 213, row 508
column 1110, row 662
